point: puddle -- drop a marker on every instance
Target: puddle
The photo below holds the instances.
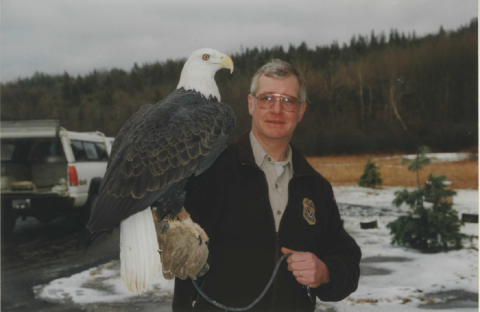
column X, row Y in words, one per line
column 367, row 211
column 385, row 259
column 451, row 299
column 366, row 270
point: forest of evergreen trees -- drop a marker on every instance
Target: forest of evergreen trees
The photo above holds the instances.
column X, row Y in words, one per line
column 379, row 93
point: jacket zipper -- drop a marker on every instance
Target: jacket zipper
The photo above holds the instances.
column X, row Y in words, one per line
column 278, row 252
column 277, row 238
column 275, row 280
column 278, row 247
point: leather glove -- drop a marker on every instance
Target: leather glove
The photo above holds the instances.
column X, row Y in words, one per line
column 183, row 249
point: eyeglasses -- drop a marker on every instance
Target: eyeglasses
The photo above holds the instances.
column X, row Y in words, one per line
column 267, row 100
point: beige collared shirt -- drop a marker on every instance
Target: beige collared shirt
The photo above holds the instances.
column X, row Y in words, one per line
column 278, row 175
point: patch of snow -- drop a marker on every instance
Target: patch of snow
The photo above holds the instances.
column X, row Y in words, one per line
column 466, row 201
column 101, row 284
column 435, row 157
column 407, row 285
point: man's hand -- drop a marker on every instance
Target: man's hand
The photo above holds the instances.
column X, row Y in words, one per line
column 307, row 268
column 183, row 249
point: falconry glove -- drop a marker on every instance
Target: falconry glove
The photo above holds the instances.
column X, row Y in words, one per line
column 183, row 249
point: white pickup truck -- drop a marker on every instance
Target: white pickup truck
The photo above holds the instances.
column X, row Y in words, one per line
column 48, row 171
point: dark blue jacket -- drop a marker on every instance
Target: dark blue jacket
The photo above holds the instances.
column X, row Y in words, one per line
column 230, row 201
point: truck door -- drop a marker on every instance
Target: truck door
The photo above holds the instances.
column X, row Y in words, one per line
column 90, row 162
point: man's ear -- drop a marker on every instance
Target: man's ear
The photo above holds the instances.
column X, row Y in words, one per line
column 250, row 104
column 301, row 111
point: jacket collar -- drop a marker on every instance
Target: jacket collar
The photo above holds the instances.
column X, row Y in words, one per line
column 301, row 166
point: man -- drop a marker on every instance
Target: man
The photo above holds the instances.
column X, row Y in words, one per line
column 261, row 199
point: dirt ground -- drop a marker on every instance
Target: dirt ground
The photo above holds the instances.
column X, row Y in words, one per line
column 346, row 170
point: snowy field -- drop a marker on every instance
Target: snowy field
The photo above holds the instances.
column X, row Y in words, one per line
column 392, row 278
column 435, row 157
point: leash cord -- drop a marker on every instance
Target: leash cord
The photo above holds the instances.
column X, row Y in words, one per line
column 256, row 300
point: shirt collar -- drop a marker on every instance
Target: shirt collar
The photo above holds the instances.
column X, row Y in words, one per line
column 300, row 165
column 260, row 154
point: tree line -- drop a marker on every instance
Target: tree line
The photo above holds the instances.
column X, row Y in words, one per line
column 377, row 93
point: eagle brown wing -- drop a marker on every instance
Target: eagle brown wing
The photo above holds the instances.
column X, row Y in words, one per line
column 158, row 147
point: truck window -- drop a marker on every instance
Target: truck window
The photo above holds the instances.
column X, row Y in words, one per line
column 31, row 150
column 88, row 151
column 41, row 150
column 102, row 151
column 7, row 151
column 78, row 151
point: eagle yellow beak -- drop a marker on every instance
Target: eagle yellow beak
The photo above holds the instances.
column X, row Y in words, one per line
column 226, row 62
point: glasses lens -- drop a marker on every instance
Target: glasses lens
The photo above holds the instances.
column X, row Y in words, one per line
column 267, row 100
column 289, row 103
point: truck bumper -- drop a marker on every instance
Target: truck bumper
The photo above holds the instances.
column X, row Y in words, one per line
column 41, row 206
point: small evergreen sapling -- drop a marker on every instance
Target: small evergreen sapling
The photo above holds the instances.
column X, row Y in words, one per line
column 418, row 162
column 435, row 228
column 371, row 175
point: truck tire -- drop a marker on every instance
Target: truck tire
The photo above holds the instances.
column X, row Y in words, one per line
column 44, row 219
column 86, row 210
column 8, row 224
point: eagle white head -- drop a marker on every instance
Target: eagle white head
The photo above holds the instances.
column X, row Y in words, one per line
column 199, row 70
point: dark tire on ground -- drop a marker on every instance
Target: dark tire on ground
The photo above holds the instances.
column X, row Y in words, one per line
column 8, row 224
column 86, row 210
column 44, row 219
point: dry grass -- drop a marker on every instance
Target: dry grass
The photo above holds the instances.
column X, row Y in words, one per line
column 346, row 170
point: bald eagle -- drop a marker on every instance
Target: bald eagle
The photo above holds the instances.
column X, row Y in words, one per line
column 153, row 155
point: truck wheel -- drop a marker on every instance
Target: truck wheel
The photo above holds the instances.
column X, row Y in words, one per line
column 86, row 211
column 8, row 224
column 44, row 219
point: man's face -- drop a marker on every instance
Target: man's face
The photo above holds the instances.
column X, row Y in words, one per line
column 275, row 123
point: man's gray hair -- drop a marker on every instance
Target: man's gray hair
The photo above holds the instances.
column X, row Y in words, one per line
column 279, row 69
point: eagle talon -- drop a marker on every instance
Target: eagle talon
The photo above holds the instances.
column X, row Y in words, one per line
column 164, row 225
column 165, row 228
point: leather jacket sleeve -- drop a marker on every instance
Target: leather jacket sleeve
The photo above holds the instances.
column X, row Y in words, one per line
column 342, row 260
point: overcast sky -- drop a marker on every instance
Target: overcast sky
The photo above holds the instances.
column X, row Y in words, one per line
column 78, row 36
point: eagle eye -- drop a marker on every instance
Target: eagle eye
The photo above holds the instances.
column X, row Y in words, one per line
column 205, row 57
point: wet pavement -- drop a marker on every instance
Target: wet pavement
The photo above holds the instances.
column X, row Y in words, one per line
column 366, row 270
column 38, row 253
column 454, row 300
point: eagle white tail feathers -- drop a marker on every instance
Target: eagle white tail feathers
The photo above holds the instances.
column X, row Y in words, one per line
column 139, row 252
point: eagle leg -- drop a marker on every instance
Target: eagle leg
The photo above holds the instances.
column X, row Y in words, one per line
column 171, row 202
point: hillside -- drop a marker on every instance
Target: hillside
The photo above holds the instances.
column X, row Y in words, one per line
column 379, row 93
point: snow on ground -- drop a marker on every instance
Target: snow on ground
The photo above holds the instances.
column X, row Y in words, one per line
column 466, row 201
column 435, row 157
column 392, row 278
column 400, row 279
column 101, row 284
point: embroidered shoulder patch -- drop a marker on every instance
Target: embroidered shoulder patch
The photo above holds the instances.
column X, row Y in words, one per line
column 309, row 211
